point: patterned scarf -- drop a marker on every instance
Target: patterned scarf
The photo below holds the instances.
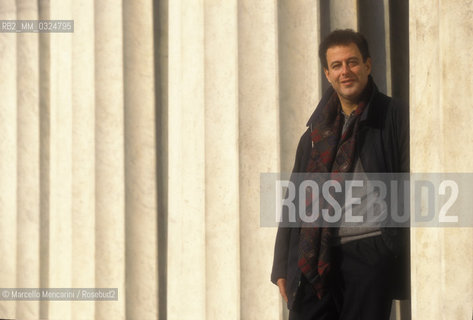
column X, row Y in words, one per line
column 332, row 152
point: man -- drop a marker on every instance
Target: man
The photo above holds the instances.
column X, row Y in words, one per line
column 346, row 273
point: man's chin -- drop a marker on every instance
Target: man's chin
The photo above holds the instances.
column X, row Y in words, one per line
column 351, row 94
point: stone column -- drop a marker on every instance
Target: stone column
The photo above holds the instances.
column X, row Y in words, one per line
column 259, row 150
column 222, row 220
column 186, row 267
column 299, row 72
column 28, row 164
column 83, row 156
column 140, row 162
column 299, row 76
column 109, row 157
column 441, row 141
column 8, row 164
column 56, row 157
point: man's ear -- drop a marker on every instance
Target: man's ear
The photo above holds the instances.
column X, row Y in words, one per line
column 368, row 65
column 326, row 74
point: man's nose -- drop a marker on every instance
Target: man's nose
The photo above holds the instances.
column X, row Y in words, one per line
column 345, row 68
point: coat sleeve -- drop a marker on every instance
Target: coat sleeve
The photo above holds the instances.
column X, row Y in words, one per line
column 283, row 236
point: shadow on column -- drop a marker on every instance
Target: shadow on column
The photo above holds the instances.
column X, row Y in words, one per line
column 160, row 21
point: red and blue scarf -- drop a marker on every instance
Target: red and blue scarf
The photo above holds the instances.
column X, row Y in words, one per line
column 332, row 152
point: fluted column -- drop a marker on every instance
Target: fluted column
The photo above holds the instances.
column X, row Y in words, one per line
column 109, row 157
column 56, row 145
column 299, row 70
column 441, row 141
column 8, row 164
column 186, row 285
column 83, row 155
column 222, row 219
column 259, row 150
column 140, row 162
column 299, row 76
column 28, row 165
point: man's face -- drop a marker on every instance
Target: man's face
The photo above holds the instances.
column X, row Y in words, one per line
column 347, row 72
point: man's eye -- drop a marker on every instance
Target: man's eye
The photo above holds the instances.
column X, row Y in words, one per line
column 353, row 63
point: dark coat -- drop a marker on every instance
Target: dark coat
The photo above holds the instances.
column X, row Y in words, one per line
column 383, row 146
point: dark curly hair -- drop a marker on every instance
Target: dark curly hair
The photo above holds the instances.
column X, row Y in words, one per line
column 343, row 37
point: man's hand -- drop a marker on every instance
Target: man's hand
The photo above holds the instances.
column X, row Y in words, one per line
column 282, row 288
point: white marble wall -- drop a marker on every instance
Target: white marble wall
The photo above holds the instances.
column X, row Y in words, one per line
column 441, row 141
column 78, row 204
column 78, row 136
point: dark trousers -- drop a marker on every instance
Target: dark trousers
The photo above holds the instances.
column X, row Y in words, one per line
column 360, row 286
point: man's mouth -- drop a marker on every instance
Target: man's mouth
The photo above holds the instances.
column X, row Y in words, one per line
column 348, row 82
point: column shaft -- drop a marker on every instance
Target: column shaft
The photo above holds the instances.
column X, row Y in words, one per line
column 28, row 165
column 8, row 164
column 186, row 184
column 259, row 150
column 59, row 147
column 140, row 162
column 221, row 161
column 299, row 72
column 442, row 259
column 83, row 155
column 109, row 157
